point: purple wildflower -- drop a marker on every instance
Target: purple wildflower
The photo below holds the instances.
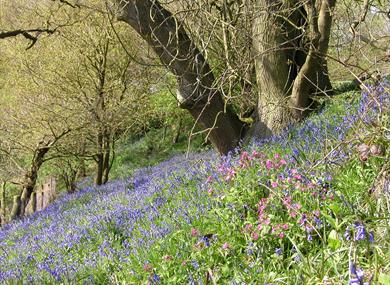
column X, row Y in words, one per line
column 360, row 233
column 278, row 251
column 371, row 237
column 357, row 275
column 347, row 234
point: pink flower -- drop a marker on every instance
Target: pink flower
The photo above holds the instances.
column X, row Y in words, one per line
column 256, row 154
column 276, row 155
column 225, row 246
column 287, row 202
column 210, row 191
column 148, row 267
column 209, row 179
column 184, row 263
column 274, row 184
column 230, row 175
column 245, row 156
column 167, row 257
column 248, row 227
column 255, row 236
column 275, row 228
column 194, row 232
column 298, row 176
column 269, row 164
column 285, row 227
column 281, row 235
column 297, row 206
column 282, row 162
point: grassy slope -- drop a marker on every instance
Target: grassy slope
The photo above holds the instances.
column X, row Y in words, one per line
column 279, row 214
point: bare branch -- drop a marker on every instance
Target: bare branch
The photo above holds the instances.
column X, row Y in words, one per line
column 28, row 34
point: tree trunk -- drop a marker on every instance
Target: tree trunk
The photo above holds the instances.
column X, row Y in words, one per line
column 30, row 178
column 33, row 201
column 81, row 171
column 272, row 71
column 106, row 158
column 178, row 53
column 16, row 208
column 290, row 43
column 2, row 204
column 99, row 161
column 178, row 132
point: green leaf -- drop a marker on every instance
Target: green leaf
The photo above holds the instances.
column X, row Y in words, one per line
column 332, row 221
column 335, row 208
column 384, row 279
column 334, row 241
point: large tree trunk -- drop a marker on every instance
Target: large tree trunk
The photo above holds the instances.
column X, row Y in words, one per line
column 290, row 42
column 195, row 79
column 272, row 70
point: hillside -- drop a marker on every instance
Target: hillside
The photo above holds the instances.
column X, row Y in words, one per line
column 309, row 206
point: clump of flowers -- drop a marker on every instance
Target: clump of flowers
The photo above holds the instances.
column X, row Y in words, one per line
column 281, row 201
column 357, row 276
column 358, row 232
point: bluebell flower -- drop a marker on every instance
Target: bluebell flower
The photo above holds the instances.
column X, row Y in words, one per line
column 371, row 237
column 318, row 222
column 278, row 251
column 360, row 231
column 156, row 278
column 357, row 275
column 347, row 234
column 195, row 264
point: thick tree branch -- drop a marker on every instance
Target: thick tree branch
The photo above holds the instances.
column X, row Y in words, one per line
column 196, row 90
column 28, row 34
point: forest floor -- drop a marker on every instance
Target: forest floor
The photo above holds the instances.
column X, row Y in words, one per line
column 309, row 206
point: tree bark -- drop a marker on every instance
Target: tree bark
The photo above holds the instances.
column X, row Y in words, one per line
column 2, row 204
column 33, row 201
column 272, row 71
column 81, row 171
column 30, row 178
column 290, row 42
column 99, row 160
column 178, row 53
column 313, row 78
column 106, row 158
column 178, row 132
column 16, row 208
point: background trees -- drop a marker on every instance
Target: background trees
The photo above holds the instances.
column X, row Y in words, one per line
column 68, row 100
